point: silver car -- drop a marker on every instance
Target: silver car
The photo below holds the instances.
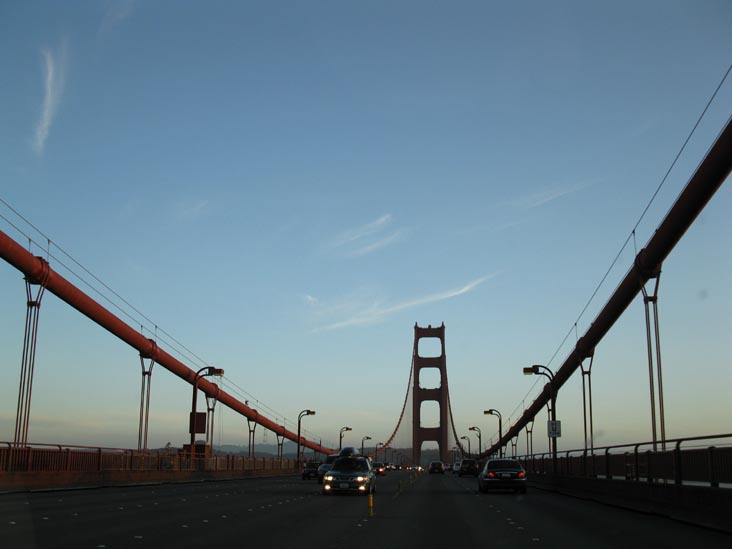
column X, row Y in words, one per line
column 350, row 474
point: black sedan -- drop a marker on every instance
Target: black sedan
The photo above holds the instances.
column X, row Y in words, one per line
column 502, row 474
column 437, row 467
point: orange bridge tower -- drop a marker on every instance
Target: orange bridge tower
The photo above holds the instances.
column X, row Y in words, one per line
column 419, row 395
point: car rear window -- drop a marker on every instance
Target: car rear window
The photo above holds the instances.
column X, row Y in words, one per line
column 504, row 464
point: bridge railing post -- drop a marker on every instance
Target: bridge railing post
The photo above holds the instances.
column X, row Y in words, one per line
column 678, row 475
column 713, row 480
column 650, row 455
column 5, row 458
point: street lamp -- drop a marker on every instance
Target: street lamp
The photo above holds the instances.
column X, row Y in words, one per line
column 340, row 442
column 538, row 369
column 494, row 412
column 362, row 441
column 299, row 419
column 376, row 450
column 466, row 438
column 203, row 372
column 480, row 443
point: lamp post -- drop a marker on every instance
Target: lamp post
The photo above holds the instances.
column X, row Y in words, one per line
column 480, row 443
column 376, row 450
column 466, row 438
column 340, row 441
column 538, row 369
column 203, row 372
column 362, row 441
column 299, row 420
column 494, row 412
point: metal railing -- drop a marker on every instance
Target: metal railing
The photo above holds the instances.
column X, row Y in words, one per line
column 637, row 462
column 58, row 457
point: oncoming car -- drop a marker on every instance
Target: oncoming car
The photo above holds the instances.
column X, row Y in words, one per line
column 311, row 469
column 350, row 474
column 325, row 467
column 502, row 473
column 379, row 468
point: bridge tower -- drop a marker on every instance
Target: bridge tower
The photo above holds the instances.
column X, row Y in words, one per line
column 419, row 395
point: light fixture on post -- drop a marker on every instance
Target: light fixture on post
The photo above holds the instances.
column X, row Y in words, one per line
column 554, row 428
column 299, row 420
column 494, row 412
column 362, row 441
column 340, row 440
column 468, row 439
column 195, row 424
column 480, row 443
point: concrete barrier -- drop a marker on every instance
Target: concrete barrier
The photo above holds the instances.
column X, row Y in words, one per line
column 700, row 505
column 59, row 480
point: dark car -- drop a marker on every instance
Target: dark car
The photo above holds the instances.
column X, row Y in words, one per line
column 437, row 467
column 379, row 468
column 350, row 474
column 311, row 469
column 325, row 467
column 468, row 467
column 349, row 451
column 502, row 474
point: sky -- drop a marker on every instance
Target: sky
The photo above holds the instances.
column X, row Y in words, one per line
column 283, row 189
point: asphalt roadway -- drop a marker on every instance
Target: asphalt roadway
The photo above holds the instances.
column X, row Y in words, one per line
column 420, row 511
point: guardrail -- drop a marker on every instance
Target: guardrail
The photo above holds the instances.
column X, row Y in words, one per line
column 71, row 458
column 705, row 465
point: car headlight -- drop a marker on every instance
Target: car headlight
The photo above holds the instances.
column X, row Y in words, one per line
column 360, row 479
column 328, row 477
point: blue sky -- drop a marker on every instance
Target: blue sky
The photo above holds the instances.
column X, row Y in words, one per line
column 286, row 188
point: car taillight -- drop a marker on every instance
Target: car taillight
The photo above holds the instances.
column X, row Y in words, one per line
column 491, row 474
column 521, row 474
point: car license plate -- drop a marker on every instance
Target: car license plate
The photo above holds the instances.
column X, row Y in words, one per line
column 506, row 475
column 343, row 485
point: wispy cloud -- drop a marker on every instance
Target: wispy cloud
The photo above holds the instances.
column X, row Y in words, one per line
column 377, row 245
column 54, row 69
column 378, row 311
column 368, row 238
column 362, row 231
column 117, row 12
column 544, row 196
column 187, row 211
